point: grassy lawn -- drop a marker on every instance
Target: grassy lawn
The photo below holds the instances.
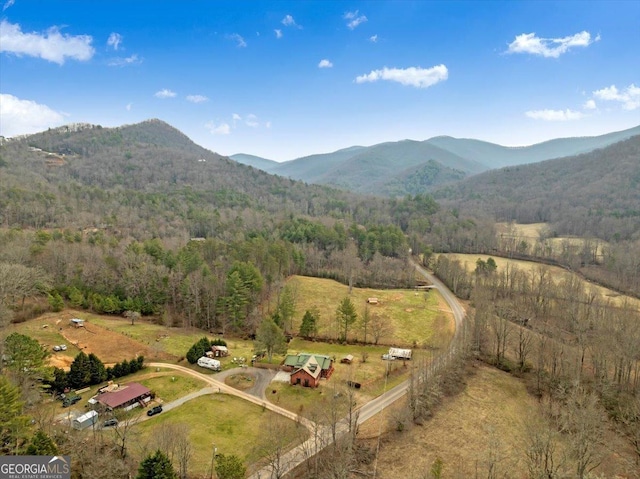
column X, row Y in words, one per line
column 233, row 425
column 412, row 316
column 169, row 387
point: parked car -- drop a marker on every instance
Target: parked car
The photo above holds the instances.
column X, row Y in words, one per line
column 70, row 400
column 110, row 422
column 56, row 348
column 60, row 347
column 154, row 410
column 388, row 357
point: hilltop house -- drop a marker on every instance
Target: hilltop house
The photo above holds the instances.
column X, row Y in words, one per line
column 307, row 369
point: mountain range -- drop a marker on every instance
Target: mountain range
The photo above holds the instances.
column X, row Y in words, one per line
column 410, row 167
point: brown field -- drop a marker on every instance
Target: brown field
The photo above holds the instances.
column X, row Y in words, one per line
column 494, row 409
column 553, row 246
column 559, row 274
column 110, row 346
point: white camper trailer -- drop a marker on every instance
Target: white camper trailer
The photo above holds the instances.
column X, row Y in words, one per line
column 209, row 363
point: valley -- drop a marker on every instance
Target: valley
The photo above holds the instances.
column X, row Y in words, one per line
column 156, row 251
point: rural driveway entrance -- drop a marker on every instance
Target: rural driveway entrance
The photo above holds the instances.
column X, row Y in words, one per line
column 262, row 377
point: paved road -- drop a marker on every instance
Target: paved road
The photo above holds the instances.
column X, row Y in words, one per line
column 262, row 378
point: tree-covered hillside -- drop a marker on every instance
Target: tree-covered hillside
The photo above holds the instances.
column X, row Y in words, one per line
column 594, row 194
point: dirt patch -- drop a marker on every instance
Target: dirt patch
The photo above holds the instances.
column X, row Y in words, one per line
column 109, row 346
column 60, row 361
column 240, row 381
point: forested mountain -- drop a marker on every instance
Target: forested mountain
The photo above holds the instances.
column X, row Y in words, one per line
column 106, row 218
column 369, row 169
column 593, row 194
column 496, row 156
column 257, row 162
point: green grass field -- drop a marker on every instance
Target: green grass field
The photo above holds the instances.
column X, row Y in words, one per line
column 234, row 426
column 170, row 387
column 413, row 317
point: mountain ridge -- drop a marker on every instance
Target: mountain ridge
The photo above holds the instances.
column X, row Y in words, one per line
column 365, row 169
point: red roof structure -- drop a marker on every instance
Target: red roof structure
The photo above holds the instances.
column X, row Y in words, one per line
column 131, row 393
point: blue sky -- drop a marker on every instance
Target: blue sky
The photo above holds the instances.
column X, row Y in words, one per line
column 286, row 79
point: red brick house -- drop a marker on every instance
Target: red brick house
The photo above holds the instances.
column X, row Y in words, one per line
column 307, row 369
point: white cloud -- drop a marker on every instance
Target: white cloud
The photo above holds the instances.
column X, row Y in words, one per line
column 324, row 63
column 128, row 107
column 8, row 4
column 251, row 120
column 21, row 117
column 221, row 129
column 238, row 39
column 288, row 21
column 549, row 47
column 51, row 45
column 555, row 115
column 278, row 33
column 373, row 38
column 412, row 76
column 197, row 98
column 123, row 62
column 629, row 97
column 267, row 124
column 114, row 40
column 354, row 19
column 589, row 105
column 165, row 93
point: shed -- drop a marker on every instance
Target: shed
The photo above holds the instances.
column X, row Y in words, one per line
column 348, row 359
column 86, row 420
column 398, row 353
column 372, row 300
column 77, row 322
column 219, row 351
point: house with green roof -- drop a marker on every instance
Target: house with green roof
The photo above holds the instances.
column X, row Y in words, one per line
column 307, row 369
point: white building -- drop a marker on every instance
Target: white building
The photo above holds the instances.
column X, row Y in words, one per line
column 86, row 420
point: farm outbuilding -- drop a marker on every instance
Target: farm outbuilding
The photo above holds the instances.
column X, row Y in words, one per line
column 372, row 300
column 219, row 351
column 127, row 397
column 86, row 420
column 398, row 353
column 348, row 359
column 307, row 369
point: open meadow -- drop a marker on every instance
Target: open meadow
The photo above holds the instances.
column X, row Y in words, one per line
column 491, row 417
column 410, row 317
